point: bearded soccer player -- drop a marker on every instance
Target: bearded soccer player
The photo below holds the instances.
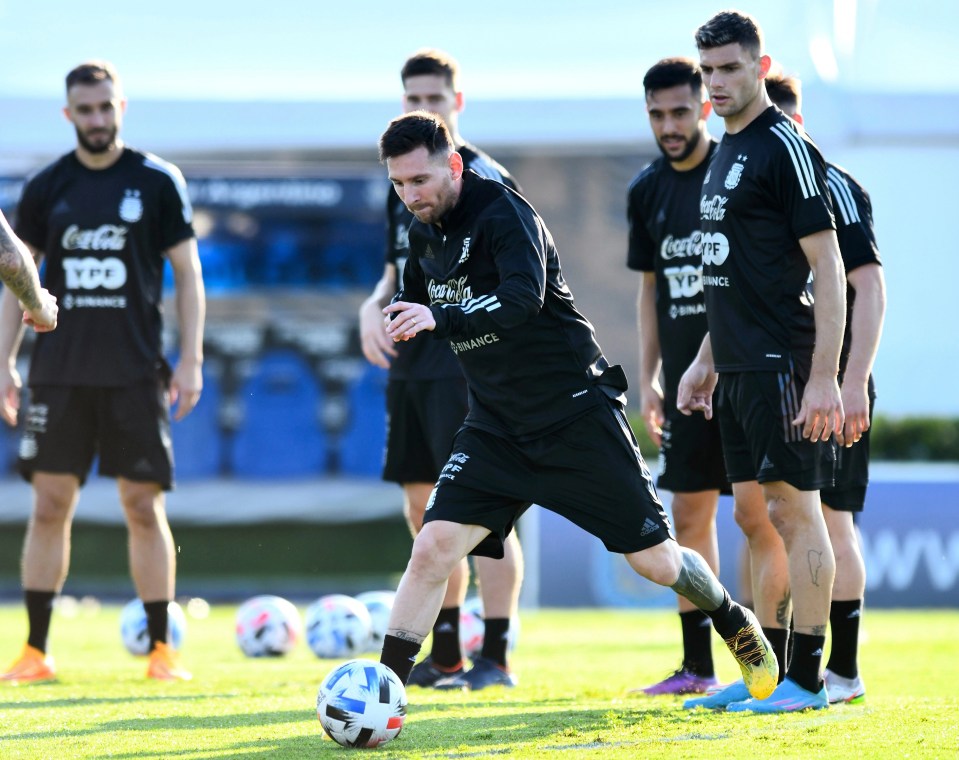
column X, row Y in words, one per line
column 546, row 423
column 107, row 219
column 426, row 402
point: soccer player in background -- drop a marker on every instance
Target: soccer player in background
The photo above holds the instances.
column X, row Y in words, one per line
column 865, row 309
column 665, row 246
column 19, row 273
column 546, row 423
column 426, row 402
column 107, row 218
column 767, row 222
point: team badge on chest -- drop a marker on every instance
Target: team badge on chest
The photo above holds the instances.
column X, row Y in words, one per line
column 131, row 207
column 735, row 173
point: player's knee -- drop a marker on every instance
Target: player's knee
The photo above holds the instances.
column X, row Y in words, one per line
column 436, row 552
column 752, row 519
column 660, row 564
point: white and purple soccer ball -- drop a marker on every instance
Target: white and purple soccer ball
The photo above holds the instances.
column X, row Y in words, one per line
column 268, row 626
column 473, row 628
column 379, row 604
column 136, row 636
column 361, row 703
column 338, row 626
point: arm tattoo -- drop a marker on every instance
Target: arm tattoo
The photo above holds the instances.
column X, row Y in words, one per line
column 815, row 565
column 22, row 279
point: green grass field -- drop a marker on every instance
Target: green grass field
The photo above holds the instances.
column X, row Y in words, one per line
column 575, row 669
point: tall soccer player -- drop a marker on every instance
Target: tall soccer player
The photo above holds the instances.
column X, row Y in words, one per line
column 106, row 218
column 767, row 223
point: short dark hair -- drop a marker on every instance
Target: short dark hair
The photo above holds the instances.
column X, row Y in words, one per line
column 728, row 27
column 432, row 61
column 417, row 129
column 783, row 90
column 93, row 72
column 673, row 72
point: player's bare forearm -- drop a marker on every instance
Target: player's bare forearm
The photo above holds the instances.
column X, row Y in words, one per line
column 698, row 382
column 820, row 413
column 18, row 270
column 868, row 312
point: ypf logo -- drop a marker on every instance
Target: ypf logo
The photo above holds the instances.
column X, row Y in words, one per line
column 715, row 248
column 89, row 273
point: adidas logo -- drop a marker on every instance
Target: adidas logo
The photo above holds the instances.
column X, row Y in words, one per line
column 444, row 628
column 429, row 252
column 853, row 614
column 767, row 464
column 817, row 653
column 142, row 465
column 648, row 527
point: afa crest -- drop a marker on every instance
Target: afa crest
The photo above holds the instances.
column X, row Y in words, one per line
column 131, row 207
column 732, row 179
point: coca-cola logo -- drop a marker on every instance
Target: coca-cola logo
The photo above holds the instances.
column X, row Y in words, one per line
column 453, row 291
column 106, row 237
column 681, row 248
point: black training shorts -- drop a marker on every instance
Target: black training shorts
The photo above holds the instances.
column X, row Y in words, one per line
column 422, row 419
column 691, row 454
column 589, row 471
column 755, row 411
column 852, row 474
column 128, row 427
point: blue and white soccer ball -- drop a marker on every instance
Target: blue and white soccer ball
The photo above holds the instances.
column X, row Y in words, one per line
column 133, row 627
column 473, row 628
column 268, row 626
column 361, row 704
column 338, row 626
column 380, row 605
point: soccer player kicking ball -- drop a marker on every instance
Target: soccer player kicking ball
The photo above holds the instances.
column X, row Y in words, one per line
column 546, row 422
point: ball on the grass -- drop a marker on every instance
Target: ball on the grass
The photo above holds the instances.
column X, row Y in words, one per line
column 133, row 627
column 361, row 703
column 338, row 626
column 379, row 604
column 267, row 626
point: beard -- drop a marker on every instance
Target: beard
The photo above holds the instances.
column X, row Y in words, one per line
column 686, row 152
column 433, row 214
column 92, row 147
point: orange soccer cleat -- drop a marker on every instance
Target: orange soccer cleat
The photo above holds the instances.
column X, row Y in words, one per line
column 163, row 665
column 32, row 666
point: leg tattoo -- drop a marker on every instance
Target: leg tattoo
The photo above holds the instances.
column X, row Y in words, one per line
column 697, row 583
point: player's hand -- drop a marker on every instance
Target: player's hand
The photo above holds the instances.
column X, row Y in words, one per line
column 185, row 387
column 43, row 319
column 377, row 346
column 820, row 413
column 406, row 320
column 652, row 411
column 9, row 395
column 855, row 405
column 696, row 390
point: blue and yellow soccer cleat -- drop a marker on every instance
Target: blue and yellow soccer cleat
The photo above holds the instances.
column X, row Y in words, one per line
column 789, row 696
column 719, row 699
column 756, row 658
